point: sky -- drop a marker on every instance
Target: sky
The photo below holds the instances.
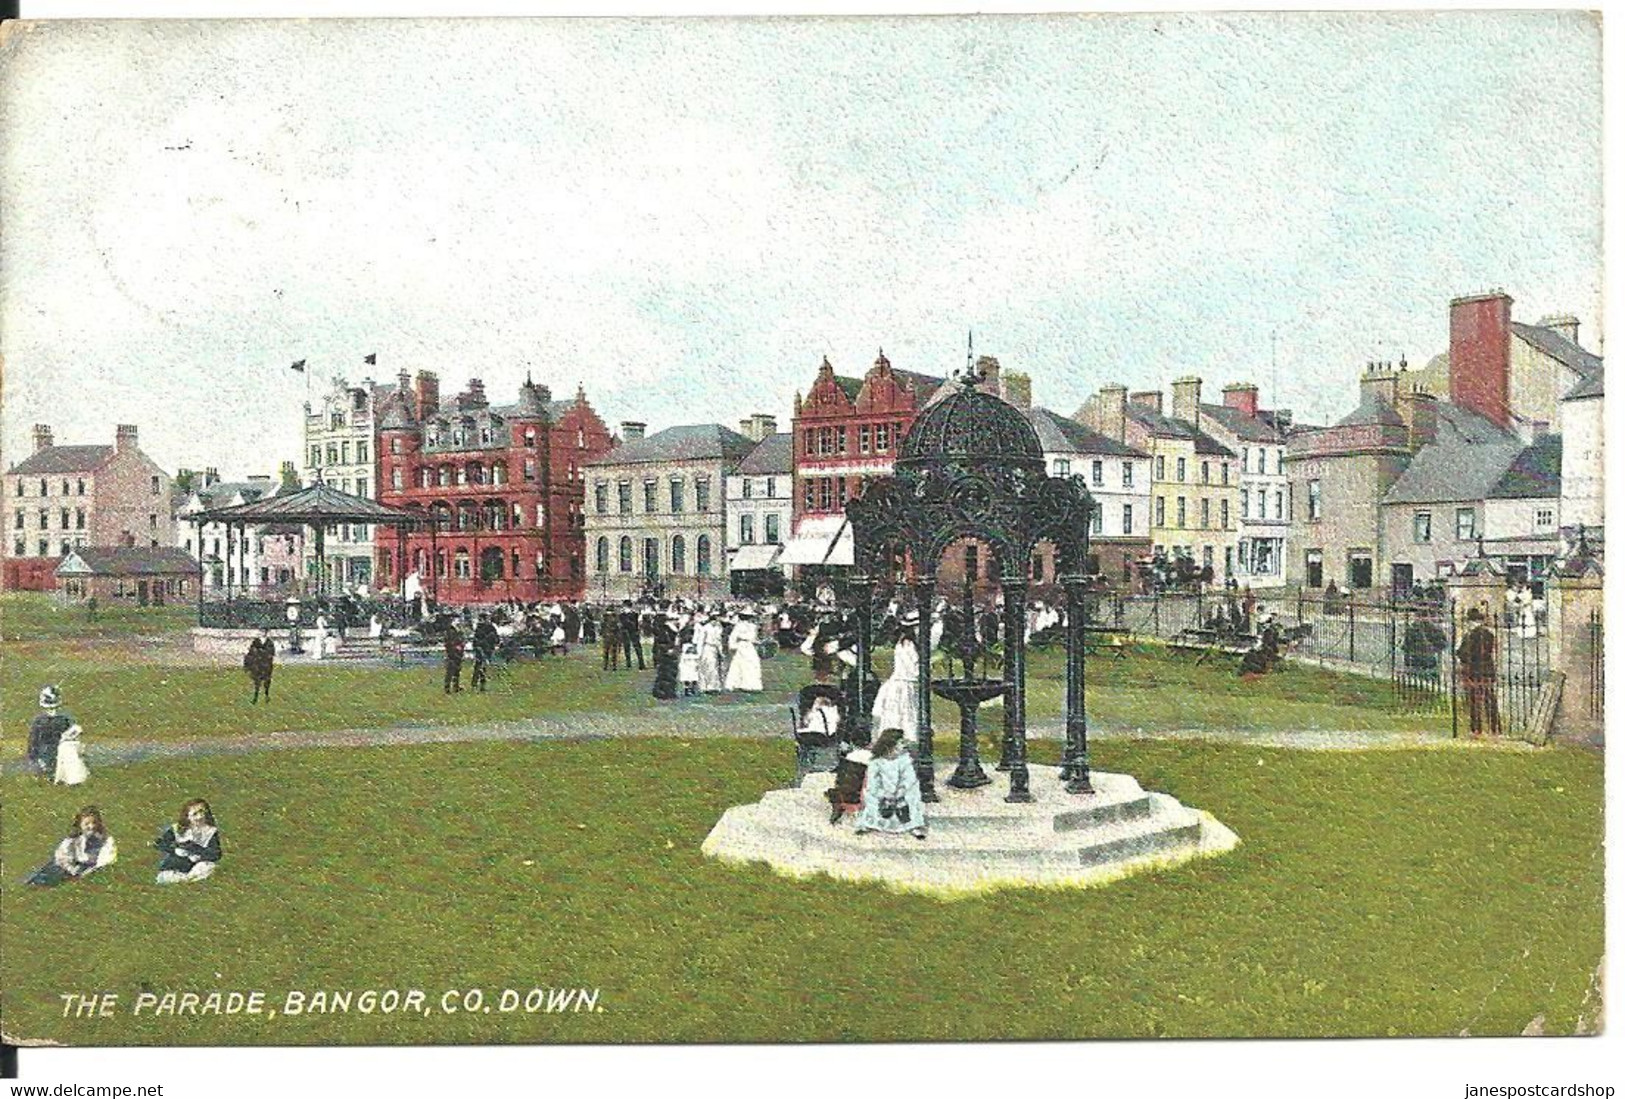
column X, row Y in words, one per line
column 685, row 217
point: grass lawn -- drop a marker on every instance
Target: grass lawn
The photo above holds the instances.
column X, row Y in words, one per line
column 1149, row 689
column 1380, row 893
column 33, row 617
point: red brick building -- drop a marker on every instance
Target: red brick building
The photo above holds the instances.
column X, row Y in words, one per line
column 502, row 485
column 844, row 431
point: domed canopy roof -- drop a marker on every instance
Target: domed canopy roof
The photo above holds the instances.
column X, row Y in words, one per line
column 969, row 426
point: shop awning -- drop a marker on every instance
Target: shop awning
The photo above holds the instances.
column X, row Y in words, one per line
column 815, row 540
column 746, row 558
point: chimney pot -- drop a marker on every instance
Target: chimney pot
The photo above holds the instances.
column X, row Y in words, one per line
column 42, row 437
column 125, row 437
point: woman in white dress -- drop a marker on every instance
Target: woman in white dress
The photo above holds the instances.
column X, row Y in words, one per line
column 708, row 636
column 70, row 759
column 897, row 704
column 745, row 665
column 319, row 637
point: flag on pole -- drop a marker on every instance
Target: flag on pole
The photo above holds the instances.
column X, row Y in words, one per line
column 299, row 366
column 372, row 360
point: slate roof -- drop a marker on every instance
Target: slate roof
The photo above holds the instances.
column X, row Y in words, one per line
column 132, row 560
column 1062, row 434
column 65, row 459
column 691, row 442
column 1535, row 474
column 220, row 493
column 1453, row 470
column 320, row 503
column 1249, row 429
column 1372, row 410
column 1470, row 427
column 773, row 454
column 1558, row 346
column 1167, row 427
column 1588, row 386
column 850, row 386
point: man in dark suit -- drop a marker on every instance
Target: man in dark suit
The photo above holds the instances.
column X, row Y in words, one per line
column 454, row 659
column 486, row 640
column 631, row 635
column 1476, row 658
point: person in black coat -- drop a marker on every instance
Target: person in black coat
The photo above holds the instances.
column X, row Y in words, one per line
column 454, row 659
column 486, row 640
column 665, row 658
column 631, row 636
column 259, row 662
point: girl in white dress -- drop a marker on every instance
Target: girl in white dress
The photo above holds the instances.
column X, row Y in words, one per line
column 745, row 666
column 891, row 790
column 897, row 703
column 87, row 849
column 70, row 759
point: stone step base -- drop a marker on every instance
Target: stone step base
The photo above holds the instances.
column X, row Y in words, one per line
column 975, row 840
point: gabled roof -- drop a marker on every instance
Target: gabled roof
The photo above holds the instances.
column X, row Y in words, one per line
column 1059, row 433
column 773, row 454
column 128, row 561
column 1166, row 427
column 1249, row 429
column 1558, row 346
column 1535, row 474
column 65, row 459
column 691, row 442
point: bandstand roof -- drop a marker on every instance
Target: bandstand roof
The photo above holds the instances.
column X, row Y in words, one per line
column 319, row 504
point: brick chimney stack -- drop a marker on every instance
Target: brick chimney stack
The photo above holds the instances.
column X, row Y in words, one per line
column 1419, row 409
column 124, row 438
column 1148, row 399
column 428, row 393
column 1566, row 325
column 1382, row 381
column 42, row 437
column 1187, row 402
column 1018, row 389
column 1107, row 413
column 1481, row 355
column 211, row 476
column 475, row 397
column 1243, row 397
column 988, row 367
column 758, row 426
column 632, row 429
